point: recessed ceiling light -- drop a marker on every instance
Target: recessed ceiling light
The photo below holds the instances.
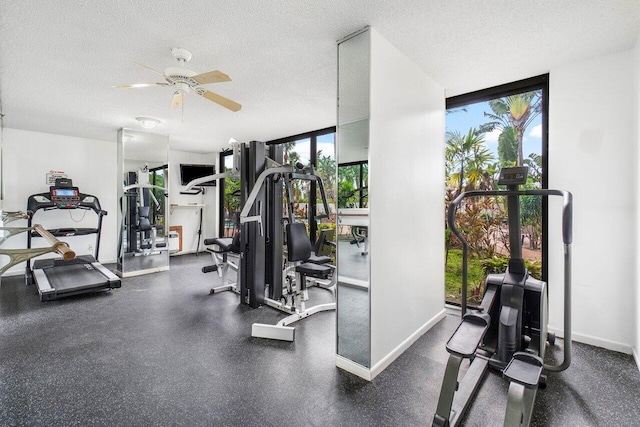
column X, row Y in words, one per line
column 147, row 122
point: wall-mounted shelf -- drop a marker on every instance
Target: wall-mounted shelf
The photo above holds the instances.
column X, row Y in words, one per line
column 187, row 205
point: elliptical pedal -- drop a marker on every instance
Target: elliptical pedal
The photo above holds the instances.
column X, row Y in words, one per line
column 525, row 369
column 469, row 334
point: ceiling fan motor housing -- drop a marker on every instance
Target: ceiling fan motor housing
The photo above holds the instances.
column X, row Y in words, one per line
column 182, row 55
column 180, row 78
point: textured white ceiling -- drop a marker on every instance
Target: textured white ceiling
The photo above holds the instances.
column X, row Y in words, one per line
column 59, row 59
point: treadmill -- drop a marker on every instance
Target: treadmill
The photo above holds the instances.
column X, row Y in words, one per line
column 55, row 277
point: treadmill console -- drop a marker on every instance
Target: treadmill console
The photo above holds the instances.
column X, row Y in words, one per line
column 65, row 198
column 513, row 176
column 63, row 195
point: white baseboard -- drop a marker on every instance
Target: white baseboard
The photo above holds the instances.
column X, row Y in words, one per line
column 636, row 356
column 141, row 272
column 404, row 345
column 353, row 368
column 370, row 373
column 354, row 282
column 596, row 342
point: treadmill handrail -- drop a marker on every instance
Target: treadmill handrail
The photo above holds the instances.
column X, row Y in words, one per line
column 33, row 205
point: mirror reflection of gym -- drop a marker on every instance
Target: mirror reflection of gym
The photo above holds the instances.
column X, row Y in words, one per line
column 353, row 199
column 143, row 203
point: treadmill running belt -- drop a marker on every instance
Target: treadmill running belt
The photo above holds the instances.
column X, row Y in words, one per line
column 78, row 276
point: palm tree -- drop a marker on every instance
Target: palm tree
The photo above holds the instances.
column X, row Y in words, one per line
column 508, row 146
column 516, row 111
column 292, row 158
column 467, row 155
column 327, row 171
column 287, row 147
column 534, row 162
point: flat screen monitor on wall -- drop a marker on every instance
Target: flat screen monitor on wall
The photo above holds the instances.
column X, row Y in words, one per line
column 190, row 172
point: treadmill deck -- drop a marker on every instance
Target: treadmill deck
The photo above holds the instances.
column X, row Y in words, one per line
column 57, row 278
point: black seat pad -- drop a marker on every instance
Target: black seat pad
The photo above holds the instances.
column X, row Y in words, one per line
column 226, row 244
column 223, row 242
column 322, row 259
column 314, row 270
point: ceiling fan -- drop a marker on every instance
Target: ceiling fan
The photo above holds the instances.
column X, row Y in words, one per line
column 183, row 81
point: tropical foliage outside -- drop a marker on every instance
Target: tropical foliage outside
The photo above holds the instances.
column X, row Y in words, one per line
column 471, row 165
column 293, row 153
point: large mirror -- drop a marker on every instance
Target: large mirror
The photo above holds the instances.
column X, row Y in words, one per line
column 143, row 245
column 354, row 341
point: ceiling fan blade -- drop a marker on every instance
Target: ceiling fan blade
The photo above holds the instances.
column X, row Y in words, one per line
column 225, row 102
column 211, row 77
column 177, row 100
column 141, row 85
column 148, row 68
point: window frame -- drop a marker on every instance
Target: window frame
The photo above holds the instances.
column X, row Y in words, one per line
column 313, row 159
column 540, row 82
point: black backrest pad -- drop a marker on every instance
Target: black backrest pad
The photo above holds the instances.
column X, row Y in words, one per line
column 298, row 243
column 143, row 211
column 143, row 218
column 235, row 243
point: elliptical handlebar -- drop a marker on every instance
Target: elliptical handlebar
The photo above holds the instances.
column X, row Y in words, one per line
column 567, row 208
column 567, row 238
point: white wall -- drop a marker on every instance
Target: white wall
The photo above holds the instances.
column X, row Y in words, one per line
column 189, row 217
column 406, row 155
column 592, row 153
column 28, row 156
column 636, row 124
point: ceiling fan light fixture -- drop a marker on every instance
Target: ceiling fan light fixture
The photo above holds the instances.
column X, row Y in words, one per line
column 148, row 122
column 182, row 88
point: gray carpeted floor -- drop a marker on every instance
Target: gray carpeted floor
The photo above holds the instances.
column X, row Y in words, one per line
column 161, row 351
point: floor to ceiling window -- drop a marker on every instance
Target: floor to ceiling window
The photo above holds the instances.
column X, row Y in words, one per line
column 157, row 214
column 486, row 131
column 317, row 149
column 229, row 198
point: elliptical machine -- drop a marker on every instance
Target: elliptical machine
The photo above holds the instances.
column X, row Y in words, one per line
column 508, row 332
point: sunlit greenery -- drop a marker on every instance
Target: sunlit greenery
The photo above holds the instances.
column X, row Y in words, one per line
column 469, row 165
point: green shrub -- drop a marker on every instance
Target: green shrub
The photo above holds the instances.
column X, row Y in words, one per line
column 453, row 277
column 326, row 225
column 498, row 264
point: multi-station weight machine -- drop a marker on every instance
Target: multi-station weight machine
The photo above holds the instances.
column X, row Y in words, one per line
column 264, row 280
column 264, row 277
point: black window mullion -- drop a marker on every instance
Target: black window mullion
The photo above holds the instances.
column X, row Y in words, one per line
column 313, row 159
column 221, row 189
